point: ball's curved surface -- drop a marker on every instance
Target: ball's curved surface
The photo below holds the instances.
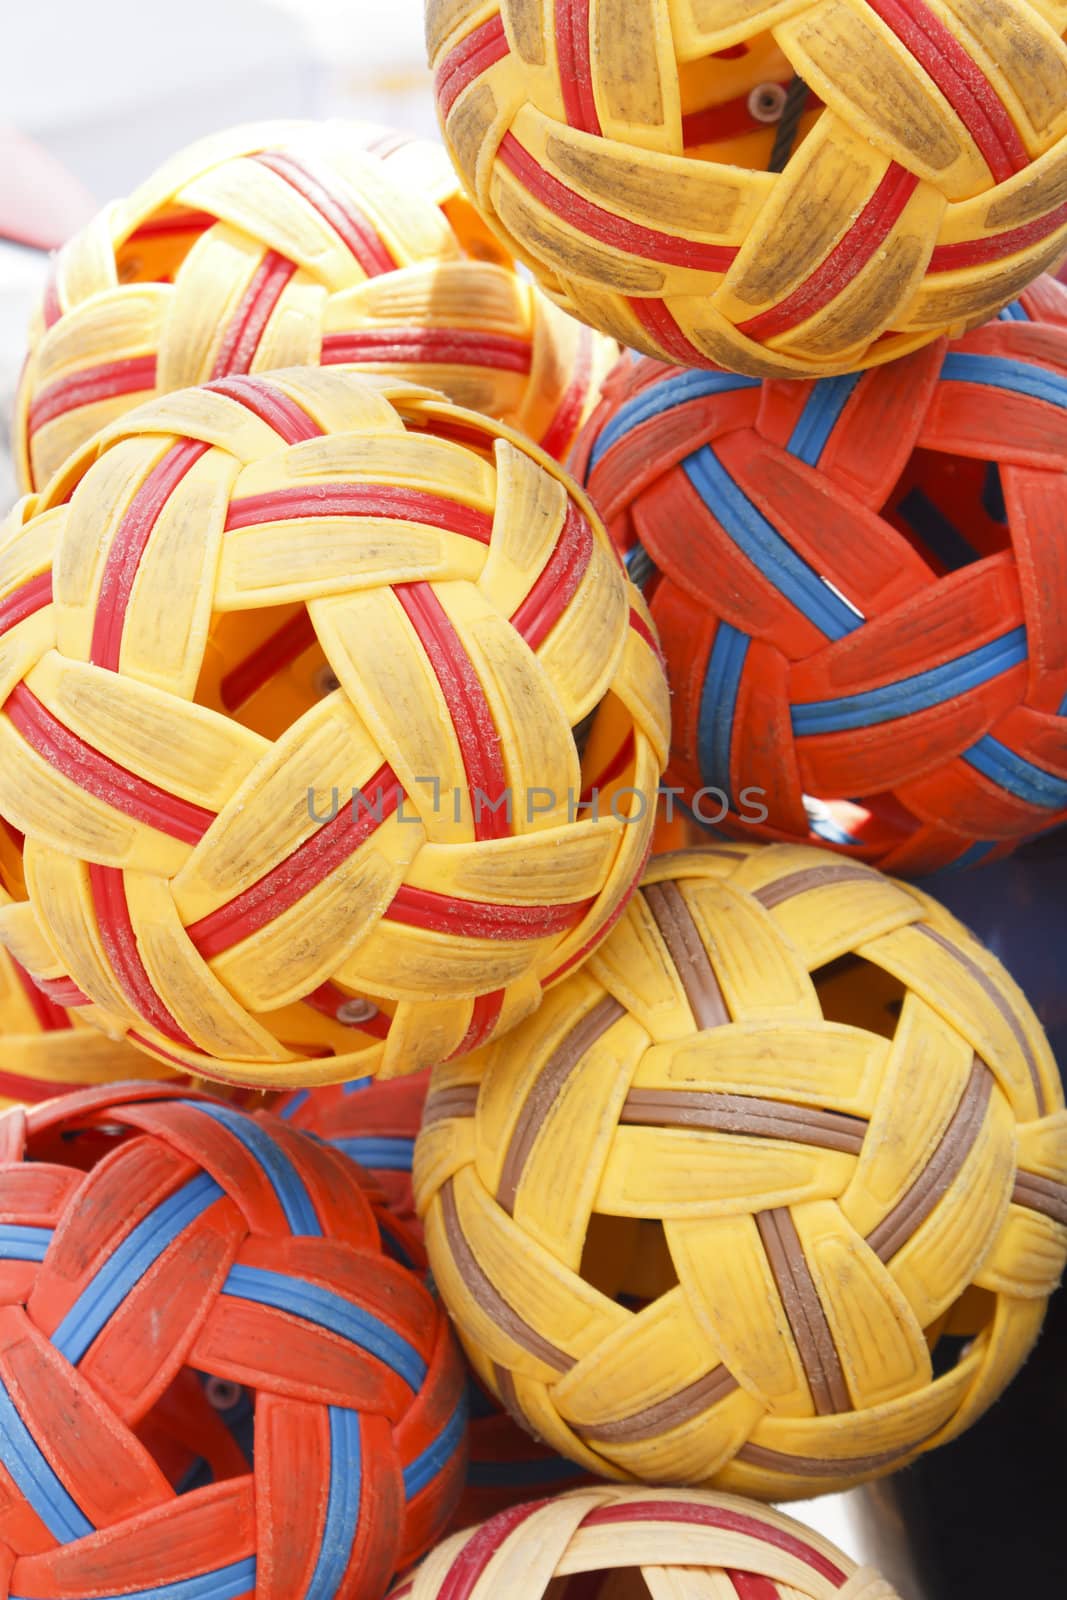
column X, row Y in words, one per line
column 290, row 244
column 302, row 693
column 161, row 1254
column 627, row 1544
column 769, row 1197
column 779, row 189
column 859, row 588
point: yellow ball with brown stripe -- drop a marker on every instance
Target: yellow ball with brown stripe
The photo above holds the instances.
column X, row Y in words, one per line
column 290, row 244
column 770, row 1196
column 330, row 728
column 778, row 188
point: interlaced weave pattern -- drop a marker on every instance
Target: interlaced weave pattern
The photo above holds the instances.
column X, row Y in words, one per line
column 290, row 245
column 859, row 586
column 305, row 697
column 770, row 1196
column 623, row 150
column 154, row 1244
column 46, row 1049
column 375, row 1123
column 626, row 1544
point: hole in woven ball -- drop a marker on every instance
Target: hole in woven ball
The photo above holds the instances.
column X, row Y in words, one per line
column 950, row 509
column 855, row 991
column 627, row 1259
column 954, row 1333
column 264, row 668
column 626, row 1583
column 733, row 102
column 155, row 252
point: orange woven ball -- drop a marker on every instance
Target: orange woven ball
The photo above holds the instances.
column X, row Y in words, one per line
column 776, row 189
column 861, row 588
column 162, row 1257
column 291, row 244
column 332, row 725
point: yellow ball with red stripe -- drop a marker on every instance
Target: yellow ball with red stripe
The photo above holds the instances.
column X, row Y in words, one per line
column 292, row 244
column 798, row 188
column 49, row 1048
column 331, row 724
column 769, row 1197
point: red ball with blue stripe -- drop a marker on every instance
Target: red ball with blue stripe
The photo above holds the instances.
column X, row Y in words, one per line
column 860, row 586
column 216, row 1380
column 375, row 1121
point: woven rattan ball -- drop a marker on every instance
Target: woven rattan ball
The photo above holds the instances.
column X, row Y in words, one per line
column 339, row 738
column 769, row 1197
column 627, row 1544
column 47, row 1049
column 375, row 1123
column 775, row 189
column 291, row 244
column 160, row 1252
column 860, row 588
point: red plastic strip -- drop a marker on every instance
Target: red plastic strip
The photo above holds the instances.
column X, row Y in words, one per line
column 120, row 946
column 460, row 347
column 753, row 1586
column 972, row 252
column 31, row 596
column 657, row 320
column 98, row 775
column 961, row 81
column 596, row 223
column 337, row 209
column 557, row 436
column 474, row 1556
column 475, row 54
column 485, row 1014
column 472, row 719
column 63, row 991
column 296, row 876
column 131, row 375
column 50, row 1016
column 848, row 256
column 361, row 500
column 481, row 919
column 128, row 546
column 271, row 405
column 574, row 67
column 175, row 222
column 267, row 660
column 13, row 1086
column 558, row 580
column 241, row 339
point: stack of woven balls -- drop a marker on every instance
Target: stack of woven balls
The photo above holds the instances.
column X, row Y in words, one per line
column 464, row 1058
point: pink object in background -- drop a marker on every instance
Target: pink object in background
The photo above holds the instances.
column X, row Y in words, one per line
column 41, row 205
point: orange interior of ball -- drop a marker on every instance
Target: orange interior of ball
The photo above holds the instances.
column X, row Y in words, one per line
column 732, row 103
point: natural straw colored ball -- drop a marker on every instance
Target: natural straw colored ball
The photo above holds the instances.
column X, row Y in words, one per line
column 770, row 1196
column 860, row 588
column 779, row 189
column 648, row 1544
column 156, row 1245
column 305, row 694
column 48, row 1048
column 290, row 244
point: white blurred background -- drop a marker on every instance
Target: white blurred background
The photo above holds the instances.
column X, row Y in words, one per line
column 108, row 89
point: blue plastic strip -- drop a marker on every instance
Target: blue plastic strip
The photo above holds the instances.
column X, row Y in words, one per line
column 718, row 702
column 1016, row 312
column 818, row 419
column 18, row 1243
column 1017, row 775
column 355, row 1084
column 60, row 1513
column 660, row 397
column 292, row 1106
column 971, row 856
column 438, row 1452
column 226, row 1583
column 284, row 1179
column 342, row 1506
column 937, row 533
column 140, row 1249
column 765, row 547
column 387, row 1155
column 917, row 693
column 998, row 372
column 312, row 1303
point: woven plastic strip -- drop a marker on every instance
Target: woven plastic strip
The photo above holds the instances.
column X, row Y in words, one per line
column 860, row 588
column 804, row 187
column 625, row 1544
column 290, row 244
column 375, row 1124
column 769, row 1197
column 332, row 726
column 154, row 1244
